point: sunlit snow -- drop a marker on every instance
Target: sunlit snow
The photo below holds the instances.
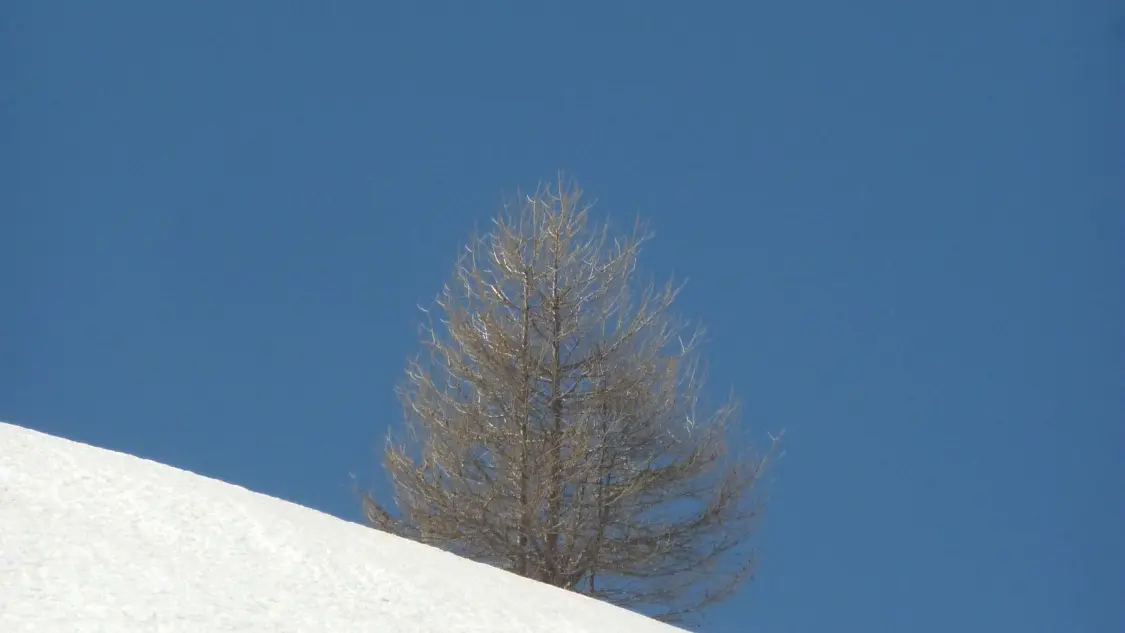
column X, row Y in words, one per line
column 94, row 540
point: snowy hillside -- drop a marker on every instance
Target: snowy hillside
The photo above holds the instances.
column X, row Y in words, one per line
column 93, row 540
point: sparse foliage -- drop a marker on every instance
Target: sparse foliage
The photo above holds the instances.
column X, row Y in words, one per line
column 554, row 424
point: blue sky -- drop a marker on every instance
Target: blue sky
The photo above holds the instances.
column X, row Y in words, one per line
column 903, row 223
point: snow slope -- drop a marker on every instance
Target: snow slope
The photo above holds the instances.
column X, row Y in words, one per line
column 94, row 540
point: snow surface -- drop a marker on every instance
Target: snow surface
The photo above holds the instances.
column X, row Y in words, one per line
column 95, row 540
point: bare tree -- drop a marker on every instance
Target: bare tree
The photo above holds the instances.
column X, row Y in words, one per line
column 555, row 426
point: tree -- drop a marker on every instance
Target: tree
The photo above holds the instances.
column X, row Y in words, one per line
column 555, row 424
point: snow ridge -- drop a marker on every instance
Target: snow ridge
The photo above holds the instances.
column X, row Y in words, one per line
column 96, row 540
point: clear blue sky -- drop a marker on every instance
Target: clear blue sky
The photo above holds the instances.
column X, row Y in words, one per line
column 903, row 223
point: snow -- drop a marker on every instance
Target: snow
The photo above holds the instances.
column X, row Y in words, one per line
column 95, row 540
